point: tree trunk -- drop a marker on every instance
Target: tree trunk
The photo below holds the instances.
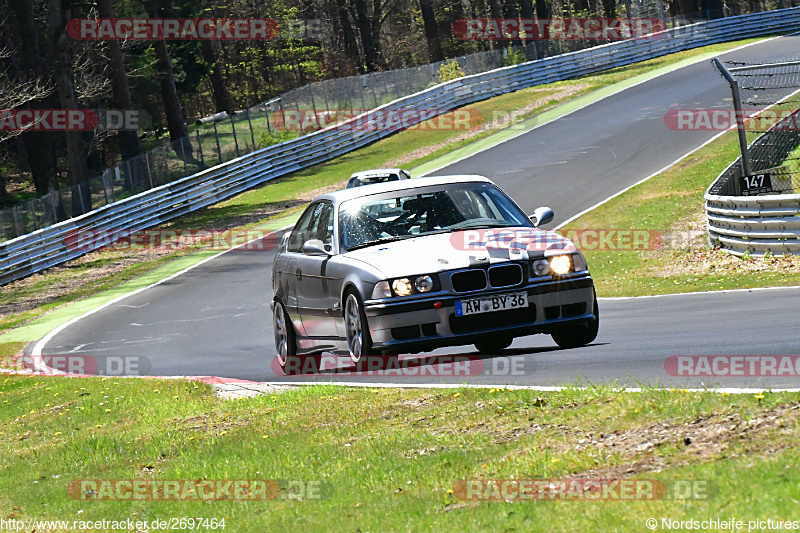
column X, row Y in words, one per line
column 526, row 12
column 59, row 14
column 166, row 78
column 688, row 7
column 542, row 12
column 128, row 140
column 349, row 37
column 712, row 9
column 431, row 31
column 510, row 12
column 222, row 101
column 38, row 145
column 365, row 32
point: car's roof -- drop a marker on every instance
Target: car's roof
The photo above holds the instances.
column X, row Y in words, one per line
column 338, row 197
column 375, row 172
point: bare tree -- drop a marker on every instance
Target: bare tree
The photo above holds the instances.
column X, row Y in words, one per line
column 59, row 13
column 26, row 72
column 431, row 31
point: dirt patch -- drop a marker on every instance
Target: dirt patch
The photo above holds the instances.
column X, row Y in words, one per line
column 505, row 122
column 207, row 424
column 700, row 440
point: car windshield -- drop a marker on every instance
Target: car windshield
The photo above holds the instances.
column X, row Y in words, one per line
column 377, row 178
column 405, row 214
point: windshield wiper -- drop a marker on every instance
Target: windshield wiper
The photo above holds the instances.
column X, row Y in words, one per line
column 373, row 242
column 477, row 225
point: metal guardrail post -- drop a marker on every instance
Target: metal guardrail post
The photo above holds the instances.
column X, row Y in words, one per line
column 219, row 150
column 149, row 173
column 200, row 147
column 252, row 135
column 235, row 140
column 737, row 105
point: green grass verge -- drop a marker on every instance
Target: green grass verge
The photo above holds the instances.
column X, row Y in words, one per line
column 388, row 460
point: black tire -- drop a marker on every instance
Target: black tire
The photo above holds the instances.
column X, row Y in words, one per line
column 359, row 342
column 580, row 334
column 285, row 336
column 493, row 345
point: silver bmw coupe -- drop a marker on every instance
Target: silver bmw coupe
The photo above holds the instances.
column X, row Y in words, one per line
column 412, row 265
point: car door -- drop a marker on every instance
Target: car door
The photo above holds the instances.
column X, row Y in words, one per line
column 317, row 291
column 286, row 268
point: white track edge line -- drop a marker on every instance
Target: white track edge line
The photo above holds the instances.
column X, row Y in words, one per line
column 36, row 353
column 542, row 388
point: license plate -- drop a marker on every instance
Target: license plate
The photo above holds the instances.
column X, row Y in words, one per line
column 488, row 304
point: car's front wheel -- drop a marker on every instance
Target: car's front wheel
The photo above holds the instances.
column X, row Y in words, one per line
column 579, row 334
column 359, row 342
column 285, row 340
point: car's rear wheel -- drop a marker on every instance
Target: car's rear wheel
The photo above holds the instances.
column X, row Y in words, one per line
column 579, row 334
column 285, row 339
column 359, row 342
column 493, row 345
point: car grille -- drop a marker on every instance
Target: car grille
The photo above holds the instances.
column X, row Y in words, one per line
column 481, row 321
column 469, row 280
column 507, row 275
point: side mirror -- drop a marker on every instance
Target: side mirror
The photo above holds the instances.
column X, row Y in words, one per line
column 315, row 247
column 541, row 216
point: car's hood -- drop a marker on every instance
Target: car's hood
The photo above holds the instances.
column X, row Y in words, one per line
column 461, row 249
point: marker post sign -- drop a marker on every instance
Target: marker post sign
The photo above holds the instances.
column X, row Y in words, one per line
column 755, row 184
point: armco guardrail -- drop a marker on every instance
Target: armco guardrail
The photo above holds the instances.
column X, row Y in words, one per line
column 756, row 224
column 48, row 247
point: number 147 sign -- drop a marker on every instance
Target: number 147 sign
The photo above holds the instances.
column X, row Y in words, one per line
column 755, row 184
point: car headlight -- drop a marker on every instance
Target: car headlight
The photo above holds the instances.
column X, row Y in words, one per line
column 402, row 287
column 541, row 267
column 405, row 286
column 423, row 284
column 382, row 290
column 579, row 262
column 560, row 264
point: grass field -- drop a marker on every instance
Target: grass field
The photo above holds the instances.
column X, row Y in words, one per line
column 397, row 460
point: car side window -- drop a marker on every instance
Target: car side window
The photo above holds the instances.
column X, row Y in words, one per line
column 324, row 224
column 315, row 223
column 298, row 236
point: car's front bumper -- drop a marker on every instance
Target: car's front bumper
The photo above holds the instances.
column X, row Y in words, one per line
column 429, row 321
